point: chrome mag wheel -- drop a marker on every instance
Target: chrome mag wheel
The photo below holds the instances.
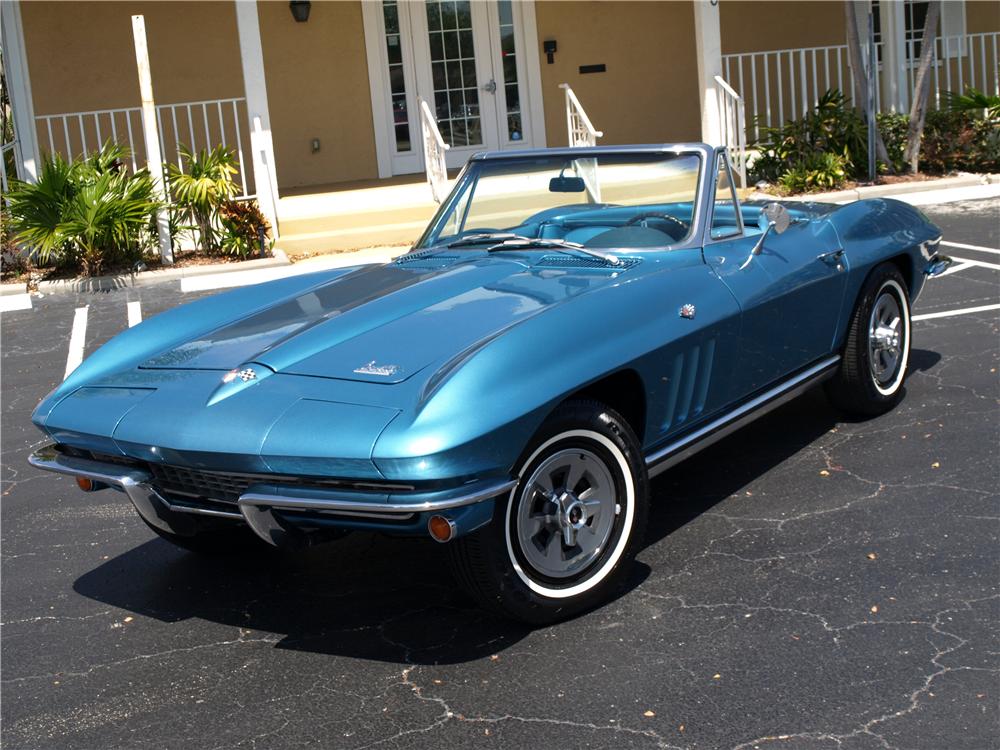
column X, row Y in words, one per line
column 568, row 513
column 885, row 331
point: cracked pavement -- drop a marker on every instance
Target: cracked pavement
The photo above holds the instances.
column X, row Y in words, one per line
column 809, row 583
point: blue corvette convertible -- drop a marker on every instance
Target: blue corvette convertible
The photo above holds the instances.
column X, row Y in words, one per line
column 572, row 323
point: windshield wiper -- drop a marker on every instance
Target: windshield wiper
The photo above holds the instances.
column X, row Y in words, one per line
column 526, row 243
column 484, row 237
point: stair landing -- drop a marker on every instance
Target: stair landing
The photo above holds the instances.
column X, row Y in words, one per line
column 353, row 215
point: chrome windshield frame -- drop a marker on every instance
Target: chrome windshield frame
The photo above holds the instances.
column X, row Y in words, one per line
column 702, row 200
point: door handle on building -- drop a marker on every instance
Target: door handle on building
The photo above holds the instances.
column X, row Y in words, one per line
column 491, row 87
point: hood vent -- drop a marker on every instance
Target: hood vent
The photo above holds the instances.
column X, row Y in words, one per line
column 569, row 261
column 422, row 255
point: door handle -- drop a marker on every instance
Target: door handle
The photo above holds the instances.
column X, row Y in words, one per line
column 833, row 258
column 490, row 87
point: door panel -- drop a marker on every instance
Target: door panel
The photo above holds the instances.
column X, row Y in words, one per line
column 790, row 297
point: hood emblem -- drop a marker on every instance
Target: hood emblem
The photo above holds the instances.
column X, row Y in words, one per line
column 246, row 375
column 371, row 368
column 686, row 311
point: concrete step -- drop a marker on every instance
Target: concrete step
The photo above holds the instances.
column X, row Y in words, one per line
column 354, row 217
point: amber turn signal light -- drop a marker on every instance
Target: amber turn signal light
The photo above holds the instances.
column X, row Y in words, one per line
column 85, row 484
column 441, row 529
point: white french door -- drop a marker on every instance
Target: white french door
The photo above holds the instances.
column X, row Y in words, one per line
column 467, row 60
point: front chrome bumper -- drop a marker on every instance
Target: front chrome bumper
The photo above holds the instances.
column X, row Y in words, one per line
column 276, row 513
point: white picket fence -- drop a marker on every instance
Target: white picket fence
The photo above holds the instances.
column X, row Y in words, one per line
column 197, row 125
column 778, row 85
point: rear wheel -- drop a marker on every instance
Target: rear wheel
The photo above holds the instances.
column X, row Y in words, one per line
column 877, row 350
column 564, row 540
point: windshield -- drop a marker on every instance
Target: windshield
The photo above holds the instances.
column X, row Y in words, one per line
column 624, row 201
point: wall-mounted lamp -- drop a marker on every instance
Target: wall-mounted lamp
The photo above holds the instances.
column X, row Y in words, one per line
column 549, row 48
column 300, row 10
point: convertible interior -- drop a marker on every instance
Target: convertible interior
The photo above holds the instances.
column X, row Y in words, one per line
column 608, row 225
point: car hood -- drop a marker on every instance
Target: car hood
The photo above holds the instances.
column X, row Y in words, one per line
column 383, row 324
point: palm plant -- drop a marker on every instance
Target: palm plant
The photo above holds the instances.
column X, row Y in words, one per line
column 974, row 100
column 200, row 186
column 90, row 212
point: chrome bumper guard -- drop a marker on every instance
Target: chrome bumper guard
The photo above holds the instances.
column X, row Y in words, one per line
column 257, row 506
column 937, row 265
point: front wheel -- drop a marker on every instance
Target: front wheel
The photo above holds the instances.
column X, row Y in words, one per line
column 877, row 350
column 563, row 541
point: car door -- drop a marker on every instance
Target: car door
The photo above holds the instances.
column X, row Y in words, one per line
column 790, row 293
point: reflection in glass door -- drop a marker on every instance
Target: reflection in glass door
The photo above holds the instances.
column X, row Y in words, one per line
column 465, row 59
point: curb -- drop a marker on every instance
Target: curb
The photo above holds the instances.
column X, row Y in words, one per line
column 148, row 278
column 886, row 191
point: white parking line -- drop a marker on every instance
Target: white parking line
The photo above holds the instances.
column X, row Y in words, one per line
column 135, row 313
column 963, row 246
column 969, row 261
column 77, row 338
column 949, row 313
column 11, row 302
column 954, row 269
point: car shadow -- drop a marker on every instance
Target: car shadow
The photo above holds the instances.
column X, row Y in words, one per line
column 394, row 599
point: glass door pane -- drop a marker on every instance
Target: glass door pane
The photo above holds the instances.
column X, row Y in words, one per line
column 512, row 128
column 453, row 72
column 397, row 76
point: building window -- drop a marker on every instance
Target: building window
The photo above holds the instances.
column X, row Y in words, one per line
column 914, row 15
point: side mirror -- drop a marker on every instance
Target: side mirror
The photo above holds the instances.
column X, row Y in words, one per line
column 775, row 217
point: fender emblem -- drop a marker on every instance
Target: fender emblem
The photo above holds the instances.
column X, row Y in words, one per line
column 246, row 375
column 373, row 369
column 686, row 311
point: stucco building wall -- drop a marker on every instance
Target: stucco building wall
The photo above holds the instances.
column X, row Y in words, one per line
column 649, row 92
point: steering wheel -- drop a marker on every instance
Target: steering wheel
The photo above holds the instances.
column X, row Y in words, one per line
column 657, row 215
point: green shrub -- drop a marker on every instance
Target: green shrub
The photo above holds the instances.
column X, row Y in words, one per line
column 241, row 222
column 894, row 127
column 87, row 215
column 198, row 187
column 830, row 139
column 824, row 171
column 958, row 140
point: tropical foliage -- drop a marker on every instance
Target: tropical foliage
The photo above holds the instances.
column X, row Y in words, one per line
column 198, row 187
column 242, row 222
column 88, row 214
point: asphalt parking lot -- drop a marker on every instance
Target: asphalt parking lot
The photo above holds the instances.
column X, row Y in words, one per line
column 807, row 583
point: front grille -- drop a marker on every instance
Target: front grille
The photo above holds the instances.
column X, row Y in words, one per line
column 207, row 484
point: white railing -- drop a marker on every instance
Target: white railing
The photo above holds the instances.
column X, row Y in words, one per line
column 435, row 148
column 732, row 116
column 960, row 62
column 580, row 130
column 197, row 125
column 778, row 85
column 7, row 148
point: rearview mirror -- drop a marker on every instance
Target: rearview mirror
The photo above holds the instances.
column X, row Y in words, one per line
column 567, row 185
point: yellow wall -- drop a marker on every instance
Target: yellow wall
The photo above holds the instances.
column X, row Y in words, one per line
column 649, row 93
column 81, row 55
column 317, row 87
column 982, row 15
column 759, row 26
